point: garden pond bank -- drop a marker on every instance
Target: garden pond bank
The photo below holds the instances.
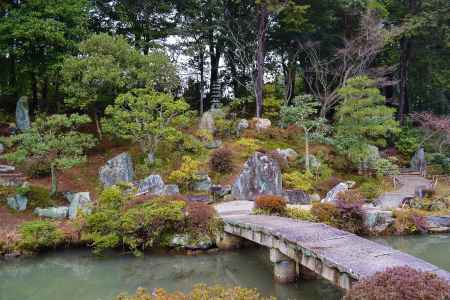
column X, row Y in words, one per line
column 78, row 274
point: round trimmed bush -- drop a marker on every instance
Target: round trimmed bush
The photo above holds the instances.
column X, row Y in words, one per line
column 271, row 204
column 400, row 283
column 221, row 161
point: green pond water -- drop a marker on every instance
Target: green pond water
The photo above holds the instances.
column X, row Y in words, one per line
column 78, row 275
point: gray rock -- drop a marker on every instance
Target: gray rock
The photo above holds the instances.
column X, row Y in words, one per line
column 288, row 154
column 376, row 220
column 22, row 114
column 153, row 184
column 261, row 124
column 53, row 212
column 261, row 175
column 118, row 169
column 438, row 221
column 314, row 163
column 314, row 197
column 151, row 157
column 218, row 192
column 202, row 242
column 171, row 189
column 418, row 161
column 207, row 122
column 333, row 193
column 17, row 202
column 243, row 124
column 80, row 201
column 197, row 198
column 7, row 169
column 391, row 200
column 297, row 197
column 214, row 144
column 203, row 183
column 2, row 148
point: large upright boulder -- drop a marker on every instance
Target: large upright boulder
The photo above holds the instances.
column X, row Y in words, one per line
column 80, row 201
column 332, row 195
column 261, row 175
column 118, row 169
column 17, row 202
column 22, row 114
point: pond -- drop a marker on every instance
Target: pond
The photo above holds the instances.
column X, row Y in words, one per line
column 79, row 275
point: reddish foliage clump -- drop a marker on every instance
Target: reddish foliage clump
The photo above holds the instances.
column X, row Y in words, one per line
column 349, row 205
column 271, row 204
column 400, row 283
column 199, row 215
column 221, row 161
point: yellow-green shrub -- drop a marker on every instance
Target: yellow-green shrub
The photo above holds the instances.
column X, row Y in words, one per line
column 186, row 174
column 300, row 214
column 409, row 221
column 299, row 181
column 199, row 292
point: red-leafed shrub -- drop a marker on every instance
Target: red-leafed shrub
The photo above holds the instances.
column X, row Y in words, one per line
column 271, row 204
column 349, row 206
column 400, row 283
column 325, row 213
column 410, row 221
column 221, row 161
column 199, row 215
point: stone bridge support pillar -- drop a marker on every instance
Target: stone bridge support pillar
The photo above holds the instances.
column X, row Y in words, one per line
column 285, row 268
column 226, row 241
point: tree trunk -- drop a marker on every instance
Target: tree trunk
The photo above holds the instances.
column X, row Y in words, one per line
column 97, row 125
column 306, row 152
column 263, row 18
column 202, row 80
column 54, row 184
column 290, row 72
column 405, row 48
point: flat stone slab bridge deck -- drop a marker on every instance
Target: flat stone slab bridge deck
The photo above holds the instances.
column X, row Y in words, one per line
column 336, row 255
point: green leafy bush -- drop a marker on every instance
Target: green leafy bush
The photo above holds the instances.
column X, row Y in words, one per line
column 271, row 204
column 400, row 283
column 199, row 292
column 112, row 197
column 186, row 175
column 37, row 235
column 299, row 181
column 39, row 197
column 102, row 229
column 385, row 167
column 371, row 189
column 36, row 168
column 408, row 142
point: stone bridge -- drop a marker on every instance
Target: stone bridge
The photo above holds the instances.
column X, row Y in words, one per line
column 300, row 249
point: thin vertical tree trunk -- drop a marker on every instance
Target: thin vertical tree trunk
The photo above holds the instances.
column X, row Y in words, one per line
column 306, row 152
column 263, row 18
column 202, row 81
column 54, row 184
column 97, row 125
column 405, row 49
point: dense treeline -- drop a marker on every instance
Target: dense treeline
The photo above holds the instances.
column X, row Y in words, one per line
column 298, row 46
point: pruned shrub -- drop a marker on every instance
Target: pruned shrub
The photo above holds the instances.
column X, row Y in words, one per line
column 350, row 213
column 409, row 221
column 400, row 283
column 199, row 292
column 271, row 204
column 221, row 161
column 200, row 215
column 325, row 213
column 39, row 197
column 39, row 235
column 112, row 197
column 299, row 181
column 186, row 174
column 300, row 214
column 36, row 168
